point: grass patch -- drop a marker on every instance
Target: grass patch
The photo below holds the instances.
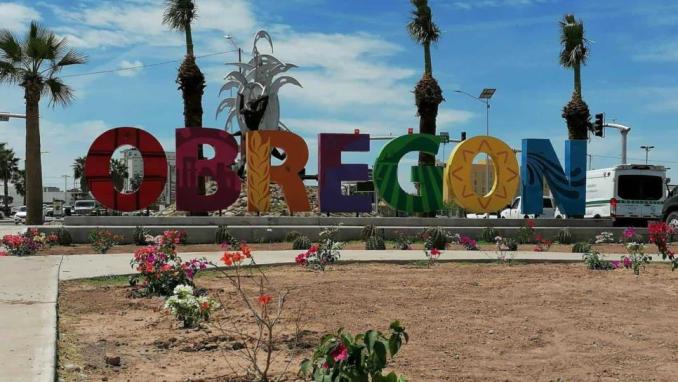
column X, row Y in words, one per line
column 105, row 281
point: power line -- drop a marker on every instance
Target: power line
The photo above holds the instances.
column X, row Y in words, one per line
column 142, row 66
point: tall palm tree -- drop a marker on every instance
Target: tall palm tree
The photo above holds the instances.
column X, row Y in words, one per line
column 79, row 173
column 574, row 54
column 427, row 93
column 119, row 173
column 179, row 14
column 9, row 164
column 34, row 63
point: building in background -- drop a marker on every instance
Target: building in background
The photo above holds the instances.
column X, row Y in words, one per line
column 135, row 170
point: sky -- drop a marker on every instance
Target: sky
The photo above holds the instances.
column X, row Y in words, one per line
column 358, row 66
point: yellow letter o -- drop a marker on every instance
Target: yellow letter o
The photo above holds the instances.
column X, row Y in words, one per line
column 458, row 182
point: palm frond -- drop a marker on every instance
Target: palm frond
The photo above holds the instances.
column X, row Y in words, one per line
column 421, row 27
column 10, row 48
column 71, row 57
column 58, row 92
column 573, row 41
column 179, row 14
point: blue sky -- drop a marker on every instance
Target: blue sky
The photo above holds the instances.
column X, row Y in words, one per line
column 358, row 66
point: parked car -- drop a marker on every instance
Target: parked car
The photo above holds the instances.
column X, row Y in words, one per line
column 20, row 215
column 513, row 211
column 84, row 207
column 670, row 209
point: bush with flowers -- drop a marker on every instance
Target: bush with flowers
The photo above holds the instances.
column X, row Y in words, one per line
column 188, row 308
column 432, row 256
column 102, row 240
column 594, row 261
column 469, row 243
column 505, row 245
column 343, row 357
column 319, row 256
column 660, row 235
column 636, row 257
column 27, row 243
column 161, row 268
column 541, row 245
column 604, row 238
column 526, row 232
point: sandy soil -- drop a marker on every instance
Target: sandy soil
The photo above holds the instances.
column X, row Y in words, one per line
column 86, row 249
column 467, row 322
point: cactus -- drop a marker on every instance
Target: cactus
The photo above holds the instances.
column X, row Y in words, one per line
column 301, row 243
column 375, row 243
column 581, row 247
column 564, row 236
column 435, row 237
column 139, row 237
column 488, row 234
column 292, row 236
column 368, row 231
column 224, row 236
column 64, row 237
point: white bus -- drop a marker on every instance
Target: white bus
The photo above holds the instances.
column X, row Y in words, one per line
column 626, row 192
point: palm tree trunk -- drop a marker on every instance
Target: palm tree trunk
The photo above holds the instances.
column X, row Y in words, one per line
column 577, row 78
column 6, row 193
column 428, row 65
column 33, row 160
column 189, row 40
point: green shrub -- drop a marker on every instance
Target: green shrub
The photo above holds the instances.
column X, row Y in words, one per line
column 375, row 243
column 581, row 247
column 64, row 237
column 511, row 244
column 301, row 243
column 344, row 357
column 435, row 237
column 594, row 262
column 488, row 234
column 564, row 236
column 224, row 237
column 292, row 236
column 140, row 234
column 103, row 240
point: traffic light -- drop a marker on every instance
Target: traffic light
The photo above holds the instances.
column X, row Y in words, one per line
column 463, row 136
column 598, row 130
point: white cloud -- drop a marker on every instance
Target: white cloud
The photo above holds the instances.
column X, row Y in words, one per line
column 16, row 17
column 468, row 5
column 130, row 69
column 666, row 51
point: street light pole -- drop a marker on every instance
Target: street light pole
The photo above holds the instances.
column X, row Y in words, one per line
column 484, row 97
column 5, row 117
column 647, row 152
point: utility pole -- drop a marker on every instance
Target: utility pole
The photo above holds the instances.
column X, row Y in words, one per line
column 65, row 188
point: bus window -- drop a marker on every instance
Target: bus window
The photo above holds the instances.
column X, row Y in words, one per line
column 640, row 187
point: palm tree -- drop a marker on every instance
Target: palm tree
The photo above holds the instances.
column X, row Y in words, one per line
column 179, row 14
column 9, row 164
column 79, row 173
column 427, row 93
column 34, row 63
column 19, row 182
column 574, row 54
column 119, row 173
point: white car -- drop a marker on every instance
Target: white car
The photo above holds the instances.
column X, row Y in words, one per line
column 20, row 215
column 514, row 211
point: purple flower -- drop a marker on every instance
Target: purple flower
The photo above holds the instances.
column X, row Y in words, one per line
column 629, row 232
column 615, row 264
column 627, row 262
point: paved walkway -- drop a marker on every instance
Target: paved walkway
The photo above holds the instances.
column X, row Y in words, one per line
column 29, row 289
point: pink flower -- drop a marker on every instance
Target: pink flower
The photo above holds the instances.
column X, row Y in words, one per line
column 627, row 262
column 3, row 253
column 629, row 232
column 615, row 264
column 340, row 353
column 435, row 252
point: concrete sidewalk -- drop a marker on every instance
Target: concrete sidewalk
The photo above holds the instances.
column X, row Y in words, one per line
column 29, row 289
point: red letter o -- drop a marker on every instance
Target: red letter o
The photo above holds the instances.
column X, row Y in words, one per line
column 97, row 169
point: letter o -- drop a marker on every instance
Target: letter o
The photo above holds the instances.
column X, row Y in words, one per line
column 458, row 183
column 100, row 181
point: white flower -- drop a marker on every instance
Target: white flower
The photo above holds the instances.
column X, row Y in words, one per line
column 183, row 290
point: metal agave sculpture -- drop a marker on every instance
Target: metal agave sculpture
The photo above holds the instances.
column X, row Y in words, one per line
column 256, row 105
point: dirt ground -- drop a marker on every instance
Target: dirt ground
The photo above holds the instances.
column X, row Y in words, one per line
column 467, row 322
column 86, row 249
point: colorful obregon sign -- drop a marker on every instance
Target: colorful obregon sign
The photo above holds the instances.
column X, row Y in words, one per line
column 436, row 185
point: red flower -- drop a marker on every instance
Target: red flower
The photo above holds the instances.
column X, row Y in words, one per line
column 165, row 267
column 3, row 253
column 264, row 299
column 531, row 224
column 340, row 353
column 435, row 252
column 227, row 259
